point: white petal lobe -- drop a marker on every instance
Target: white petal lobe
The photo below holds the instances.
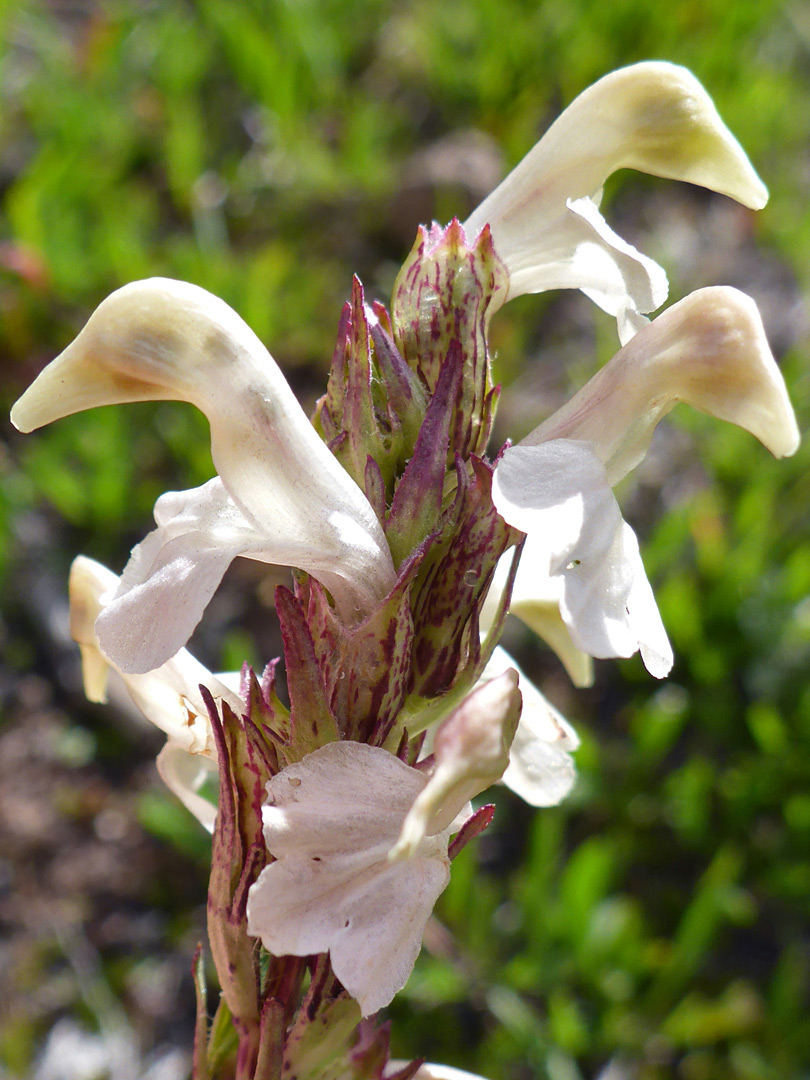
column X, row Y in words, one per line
column 558, row 491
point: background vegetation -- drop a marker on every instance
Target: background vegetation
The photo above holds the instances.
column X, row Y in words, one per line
column 654, row 926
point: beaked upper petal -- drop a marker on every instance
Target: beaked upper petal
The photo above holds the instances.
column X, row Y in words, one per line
column 653, row 116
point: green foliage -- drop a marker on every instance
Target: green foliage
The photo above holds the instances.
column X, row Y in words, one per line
column 658, row 919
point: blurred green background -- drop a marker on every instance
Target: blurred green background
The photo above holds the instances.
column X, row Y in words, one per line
column 658, row 924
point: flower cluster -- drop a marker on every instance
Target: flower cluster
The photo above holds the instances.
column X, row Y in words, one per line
column 340, row 809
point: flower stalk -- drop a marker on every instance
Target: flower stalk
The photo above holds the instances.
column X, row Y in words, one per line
column 341, row 808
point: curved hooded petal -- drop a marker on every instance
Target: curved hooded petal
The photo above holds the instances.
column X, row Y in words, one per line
column 558, row 493
column 710, row 351
column 330, row 821
column 541, row 770
column 654, row 117
column 163, row 339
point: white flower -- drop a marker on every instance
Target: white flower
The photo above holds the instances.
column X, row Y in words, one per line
column 169, row 697
column 544, row 217
column 581, row 584
column 709, row 351
column 330, row 821
column 280, row 497
column 361, row 844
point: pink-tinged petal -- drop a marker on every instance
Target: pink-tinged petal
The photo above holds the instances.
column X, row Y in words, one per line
column 363, row 788
column 709, row 351
column 541, row 770
column 654, row 117
column 370, row 919
column 330, row 821
column 558, row 492
column 163, row 339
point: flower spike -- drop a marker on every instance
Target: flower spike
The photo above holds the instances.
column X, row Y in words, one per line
column 402, row 706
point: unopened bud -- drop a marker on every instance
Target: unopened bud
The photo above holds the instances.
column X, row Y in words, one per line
column 471, row 752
